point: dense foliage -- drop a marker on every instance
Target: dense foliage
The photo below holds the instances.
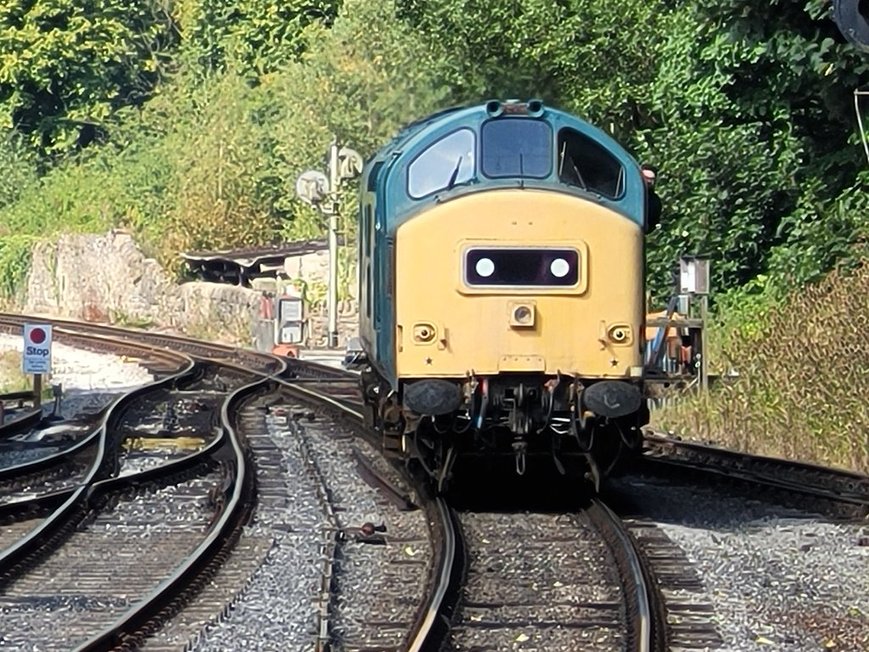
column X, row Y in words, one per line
column 757, row 139
column 188, row 121
column 66, row 67
column 254, row 37
column 803, row 381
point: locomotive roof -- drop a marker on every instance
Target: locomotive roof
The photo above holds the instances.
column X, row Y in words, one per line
column 462, row 114
column 417, row 135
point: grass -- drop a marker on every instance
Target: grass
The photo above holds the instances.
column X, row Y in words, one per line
column 803, row 390
column 12, row 379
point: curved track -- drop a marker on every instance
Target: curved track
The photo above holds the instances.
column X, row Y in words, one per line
column 98, row 487
column 568, row 580
column 840, row 486
column 63, row 512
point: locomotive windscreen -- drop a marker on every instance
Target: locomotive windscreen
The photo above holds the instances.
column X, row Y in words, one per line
column 516, row 147
column 522, row 267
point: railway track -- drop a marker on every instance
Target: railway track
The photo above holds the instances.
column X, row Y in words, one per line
column 407, row 550
column 846, row 489
column 25, row 414
column 61, row 560
column 565, row 581
column 468, row 579
column 158, row 351
column 116, row 619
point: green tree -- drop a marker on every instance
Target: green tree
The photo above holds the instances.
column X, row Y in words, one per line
column 580, row 54
column 65, row 65
column 358, row 84
column 756, row 137
column 255, row 37
column 222, row 171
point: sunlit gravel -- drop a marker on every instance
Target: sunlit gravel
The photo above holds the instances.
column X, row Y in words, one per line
column 90, row 381
column 778, row 578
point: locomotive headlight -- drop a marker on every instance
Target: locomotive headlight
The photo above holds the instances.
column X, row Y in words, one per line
column 485, row 267
column 521, row 266
column 559, row 268
column 521, row 314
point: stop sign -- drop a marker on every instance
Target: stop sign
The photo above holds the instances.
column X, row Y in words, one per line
column 36, row 358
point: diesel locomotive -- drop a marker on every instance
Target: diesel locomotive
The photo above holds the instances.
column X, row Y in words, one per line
column 501, row 273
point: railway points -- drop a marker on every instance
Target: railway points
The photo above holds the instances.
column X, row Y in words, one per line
column 315, row 405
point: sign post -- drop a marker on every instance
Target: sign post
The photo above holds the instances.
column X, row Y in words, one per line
column 36, row 356
column 694, row 281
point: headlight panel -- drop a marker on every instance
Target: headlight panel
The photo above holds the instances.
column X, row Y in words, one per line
column 521, row 267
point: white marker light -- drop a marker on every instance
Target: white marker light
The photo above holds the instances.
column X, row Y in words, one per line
column 559, row 268
column 485, row 267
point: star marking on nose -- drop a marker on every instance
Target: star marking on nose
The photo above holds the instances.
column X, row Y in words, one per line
column 428, row 360
column 614, row 362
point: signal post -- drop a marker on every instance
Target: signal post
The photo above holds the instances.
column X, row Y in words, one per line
column 316, row 189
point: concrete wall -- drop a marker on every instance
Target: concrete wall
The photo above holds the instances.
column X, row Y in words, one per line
column 107, row 278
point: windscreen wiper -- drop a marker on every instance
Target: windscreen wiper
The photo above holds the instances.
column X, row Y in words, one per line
column 455, row 174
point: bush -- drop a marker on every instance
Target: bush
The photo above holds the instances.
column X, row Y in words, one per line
column 803, row 379
column 15, row 253
column 17, row 169
column 221, row 162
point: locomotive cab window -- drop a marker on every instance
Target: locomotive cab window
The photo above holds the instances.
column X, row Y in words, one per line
column 442, row 165
column 586, row 164
column 516, row 147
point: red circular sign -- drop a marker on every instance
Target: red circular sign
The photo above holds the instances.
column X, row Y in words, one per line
column 37, row 336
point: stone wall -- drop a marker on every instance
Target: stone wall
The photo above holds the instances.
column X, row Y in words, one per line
column 101, row 278
column 318, row 325
column 107, row 278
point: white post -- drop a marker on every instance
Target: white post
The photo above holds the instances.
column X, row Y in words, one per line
column 704, row 346
column 334, row 181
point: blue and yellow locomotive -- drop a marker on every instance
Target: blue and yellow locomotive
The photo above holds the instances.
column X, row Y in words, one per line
column 501, row 273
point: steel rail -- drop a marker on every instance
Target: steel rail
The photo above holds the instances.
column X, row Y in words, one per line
column 116, row 483
column 184, row 365
column 128, row 333
column 665, row 441
column 21, row 422
column 429, row 615
column 439, row 515
column 424, row 630
column 116, row 337
column 54, row 459
column 23, row 547
column 158, row 341
column 645, row 635
column 722, row 462
column 221, row 531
